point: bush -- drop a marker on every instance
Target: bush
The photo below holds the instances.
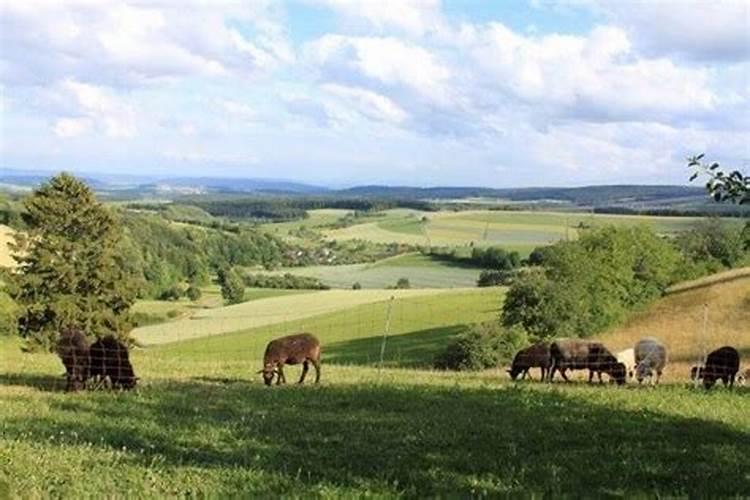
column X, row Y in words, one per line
column 232, row 286
column 486, row 345
column 403, row 283
column 172, row 293
column 357, row 286
column 8, row 315
column 495, row 278
column 286, row 282
column 193, row 293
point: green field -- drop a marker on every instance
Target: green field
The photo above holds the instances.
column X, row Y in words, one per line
column 521, row 231
column 315, row 219
column 267, row 312
column 211, row 428
column 421, row 271
column 201, row 422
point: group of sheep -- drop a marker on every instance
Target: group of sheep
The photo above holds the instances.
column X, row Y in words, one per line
column 106, row 360
column 646, row 361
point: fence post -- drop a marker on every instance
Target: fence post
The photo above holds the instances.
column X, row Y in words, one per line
column 385, row 333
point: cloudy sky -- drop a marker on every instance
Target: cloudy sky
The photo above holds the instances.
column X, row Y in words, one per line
column 421, row 92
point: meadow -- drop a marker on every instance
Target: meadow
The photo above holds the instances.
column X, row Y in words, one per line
column 202, row 423
column 421, row 271
column 514, row 230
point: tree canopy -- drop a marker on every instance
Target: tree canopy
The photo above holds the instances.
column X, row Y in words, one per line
column 70, row 272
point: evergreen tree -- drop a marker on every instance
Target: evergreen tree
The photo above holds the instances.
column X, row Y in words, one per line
column 70, row 271
column 232, row 286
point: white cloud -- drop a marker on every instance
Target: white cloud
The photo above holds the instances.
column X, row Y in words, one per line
column 414, row 17
column 368, row 103
column 117, row 42
column 706, row 30
column 98, row 108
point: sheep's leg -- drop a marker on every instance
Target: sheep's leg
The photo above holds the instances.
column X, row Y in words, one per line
column 591, row 376
column 316, row 364
column 564, row 375
column 282, row 378
column 305, row 367
column 544, row 373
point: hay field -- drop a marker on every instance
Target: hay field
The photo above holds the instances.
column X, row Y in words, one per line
column 678, row 320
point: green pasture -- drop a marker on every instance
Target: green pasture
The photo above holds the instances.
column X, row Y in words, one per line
column 268, row 311
column 421, row 271
column 418, row 328
column 521, row 231
column 314, row 220
column 210, row 428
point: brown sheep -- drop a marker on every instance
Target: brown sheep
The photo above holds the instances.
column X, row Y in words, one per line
column 74, row 351
column 110, row 359
column 291, row 350
column 535, row 356
column 582, row 355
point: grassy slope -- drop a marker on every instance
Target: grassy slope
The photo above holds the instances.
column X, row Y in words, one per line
column 420, row 326
column 678, row 321
column 5, row 237
column 203, row 423
column 266, row 312
column 213, row 428
column 515, row 230
column 422, row 272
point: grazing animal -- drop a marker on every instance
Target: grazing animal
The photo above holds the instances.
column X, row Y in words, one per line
column 535, row 356
column 743, row 377
column 723, row 363
column 291, row 350
column 110, row 359
column 627, row 358
column 73, row 349
column 582, row 355
column 650, row 357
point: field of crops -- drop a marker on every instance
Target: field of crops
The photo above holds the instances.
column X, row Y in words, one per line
column 521, row 231
column 421, row 271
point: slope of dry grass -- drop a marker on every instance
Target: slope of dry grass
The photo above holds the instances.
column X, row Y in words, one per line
column 721, row 301
column 6, row 237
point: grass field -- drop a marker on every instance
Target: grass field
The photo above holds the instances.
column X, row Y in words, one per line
column 266, row 312
column 421, row 271
column 213, row 429
column 6, row 237
column 201, row 422
column 315, row 219
column 521, row 231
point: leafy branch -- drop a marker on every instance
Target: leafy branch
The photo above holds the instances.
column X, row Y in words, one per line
column 722, row 186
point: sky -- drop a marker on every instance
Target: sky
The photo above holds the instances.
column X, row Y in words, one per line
column 499, row 93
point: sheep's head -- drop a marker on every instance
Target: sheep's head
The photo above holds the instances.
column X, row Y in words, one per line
column 268, row 371
column 619, row 373
column 514, row 372
column 642, row 371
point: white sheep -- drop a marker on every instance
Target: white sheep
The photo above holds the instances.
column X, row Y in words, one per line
column 650, row 357
column 627, row 357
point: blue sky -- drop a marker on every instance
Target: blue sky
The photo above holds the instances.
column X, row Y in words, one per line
column 340, row 92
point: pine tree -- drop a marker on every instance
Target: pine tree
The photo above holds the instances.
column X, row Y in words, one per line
column 70, row 271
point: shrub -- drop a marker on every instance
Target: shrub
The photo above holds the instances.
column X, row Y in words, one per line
column 485, row 345
column 193, row 293
column 403, row 283
column 232, row 286
column 357, row 286
column 495, row 278
column 8, row 315
column 172, row 293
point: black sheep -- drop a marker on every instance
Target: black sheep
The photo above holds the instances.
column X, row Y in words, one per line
column 110, row 359
column 535, row 356
column 74, row 351
column 723, row 363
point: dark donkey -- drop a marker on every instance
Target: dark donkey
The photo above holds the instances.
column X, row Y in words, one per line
column 291, row 350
